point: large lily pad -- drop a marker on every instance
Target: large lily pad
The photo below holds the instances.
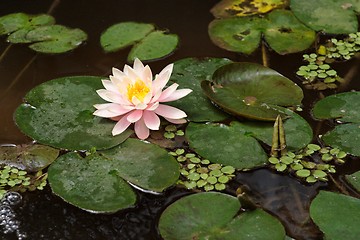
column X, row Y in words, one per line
column 189, row 73
column 330, row 16
column 157, row 44
column 124, row 34
column 17, row 25
column 240, row 8
column 55, row 39
column 283, row 32
column 336, row 215
column 251, row 90
column 31, row 158
column 216, row 216
column 298, row 132
column 354, row 180
column 96, row 183
column 227, row 145
column 59, row 113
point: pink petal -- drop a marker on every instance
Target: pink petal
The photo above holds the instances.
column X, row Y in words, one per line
column 168, row 91
column 134, row 116
column 118, row 74
column 152, row 107
column 110, row 96
column 131, row 73
column 109, row 86
column 141, row 130
column 147, row 76
column 169, row 112
column 109, row 110
column 121, row 126
column 162, row 78
column 176, row 95
column 152, row 121
column 176, row 121
column 138, row 65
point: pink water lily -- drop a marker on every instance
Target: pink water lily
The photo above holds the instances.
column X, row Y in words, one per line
column 134, row 97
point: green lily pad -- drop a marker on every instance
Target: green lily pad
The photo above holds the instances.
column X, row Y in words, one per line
column 157, row 44
column 330, row 16
column 226, row 145
column 55, row 39
column 59, row 113
column 90, row 184
column 339, row 106
column 251, row 90
column 96, row 183
column 240, row 8
column 298, row 132
column 17, row 25
column 188, row 73
column 31, row 158
column 354, row 180
column 216, row 216
column 283, row 32
column 124, row 34
column 336, row 215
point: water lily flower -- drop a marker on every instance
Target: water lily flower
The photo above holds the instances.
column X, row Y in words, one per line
column 134, row 97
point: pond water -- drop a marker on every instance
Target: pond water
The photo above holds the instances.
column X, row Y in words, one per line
column 45, row 216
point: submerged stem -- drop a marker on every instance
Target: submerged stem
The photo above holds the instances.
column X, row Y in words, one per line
column 54, row 4
column 275, row 139
column 5, row 52
column 264, row 55
column 338, row 186
column 350, row 75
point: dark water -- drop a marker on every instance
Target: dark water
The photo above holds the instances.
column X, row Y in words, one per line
column 45, row 216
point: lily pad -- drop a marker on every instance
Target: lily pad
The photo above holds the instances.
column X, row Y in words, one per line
column 188, row 73
column 216, row 216
column 124, row 34
column 31, row 158
column 226, row 145
column 55, row 39
column 330, row 16
column 59, row 113
column 17, row 25
column 298, row 132
column 96, row 183
column 354, row 180
column 339, row 106
column 251, row 90
column 157, row 44
column 240, row 8
column 336, row 215
column 282, row 31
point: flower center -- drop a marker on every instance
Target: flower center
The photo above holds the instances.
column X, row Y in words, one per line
column 138, row 90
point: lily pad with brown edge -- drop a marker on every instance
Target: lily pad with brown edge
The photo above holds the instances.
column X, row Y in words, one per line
column 59, row 113
column 188, row 73
column 98, row 182
column 241, row 8
column 354, row 180
column 251, row 90
column 226, row 145
column 215, row 215
column 298, row 132
column 282, row 31
column 336, row 215
column 29, row 157
column 17, row 25
column 330, row 16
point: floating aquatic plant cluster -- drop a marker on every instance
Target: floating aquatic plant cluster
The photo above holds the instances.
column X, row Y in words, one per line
column 318, row 73
column 199, row 173
column 171, row 131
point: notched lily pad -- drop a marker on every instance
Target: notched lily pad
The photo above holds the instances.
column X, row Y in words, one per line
column 59, row 113
column 251, row 90
column 31, row 158
column 354, row 180
column 336, row 215
column 216, row 216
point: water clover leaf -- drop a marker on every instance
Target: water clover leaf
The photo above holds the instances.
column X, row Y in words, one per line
column 330, row 16
column 225, row 145
column 59, row 113
column 282, row 31
column 336, row 215
column 55, row 39
column 251, row 90
column 122, row 35
column 148, row 43
column 216, row 217
column 31, row 158
column 239, row 8
column 189, row 73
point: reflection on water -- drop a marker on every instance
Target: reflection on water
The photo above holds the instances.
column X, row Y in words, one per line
column 45, row 216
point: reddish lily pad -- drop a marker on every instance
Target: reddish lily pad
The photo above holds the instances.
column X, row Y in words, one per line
column 251, row 90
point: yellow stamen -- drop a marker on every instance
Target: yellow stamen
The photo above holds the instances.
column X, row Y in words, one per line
column 138, row 90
